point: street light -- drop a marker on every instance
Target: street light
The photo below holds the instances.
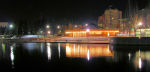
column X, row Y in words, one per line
column 49, row 32
column 11, row 26
column 47, row 26
column 87, row 30
column 140, row 23
column 86, row 25
column 58, row 27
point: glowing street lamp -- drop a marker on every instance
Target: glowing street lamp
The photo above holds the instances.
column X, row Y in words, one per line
column 47, row 26
column 87, row 30
column 140, row 23
column 58, row 27
column 86, row 24
column 11, row 26
column 49, row 32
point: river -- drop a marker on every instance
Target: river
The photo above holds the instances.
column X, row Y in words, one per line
column 70, row 57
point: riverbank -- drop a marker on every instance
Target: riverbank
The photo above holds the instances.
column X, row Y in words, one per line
column 99, row 40
column 102, row 40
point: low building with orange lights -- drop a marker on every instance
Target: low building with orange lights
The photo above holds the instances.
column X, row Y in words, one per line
column 92, row 33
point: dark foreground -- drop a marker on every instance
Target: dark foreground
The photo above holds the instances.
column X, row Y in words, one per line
column 67, row 57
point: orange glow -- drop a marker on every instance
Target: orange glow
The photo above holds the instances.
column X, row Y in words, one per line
column 92, row 32
column 88, row 51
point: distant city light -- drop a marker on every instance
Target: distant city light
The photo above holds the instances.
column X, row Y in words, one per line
column 75, row 26
column 87, row 30
column 49, row 32
column 11, row 26
column 47, row 26
column 86, row 24
column 140, row 23
column 58, row 27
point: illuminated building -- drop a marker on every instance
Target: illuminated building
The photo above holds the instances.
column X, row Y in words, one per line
column 110, row 19
column 92, row 33
column 3, row 27
column 88, row 51
column 101, row 22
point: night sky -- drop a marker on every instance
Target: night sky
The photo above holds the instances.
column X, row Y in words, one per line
column 74, row 11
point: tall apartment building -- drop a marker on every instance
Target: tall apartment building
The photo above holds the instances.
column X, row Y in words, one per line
column 110, row 19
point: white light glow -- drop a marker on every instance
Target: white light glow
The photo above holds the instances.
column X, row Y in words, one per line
column 140, row 63
column 87, row 30
column 58, row 27
column 49, row 51
column 88, row 55
column 12, row 55
column 86, row 24
column 59, row 49
column 129, row 54
column 140, row 23
column 47, row 26
column 49, row 32
column 11, row 26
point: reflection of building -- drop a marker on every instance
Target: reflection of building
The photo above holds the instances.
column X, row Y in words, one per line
column 92, row 32
column 87, row 50
column 110, row 19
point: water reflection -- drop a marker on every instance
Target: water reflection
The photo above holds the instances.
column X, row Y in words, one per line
column 12, row 56
column 49, row 54
column 141, row 57
column 59, row 50
column 49, row 51
column 31, row 46
column 88, row 50
column 3, row 48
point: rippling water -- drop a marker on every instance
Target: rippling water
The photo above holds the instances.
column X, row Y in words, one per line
column 69, row 57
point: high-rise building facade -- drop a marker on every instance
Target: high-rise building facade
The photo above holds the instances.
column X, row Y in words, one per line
column 111, row 19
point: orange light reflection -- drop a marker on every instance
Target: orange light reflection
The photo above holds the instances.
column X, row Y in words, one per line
column 88, row 50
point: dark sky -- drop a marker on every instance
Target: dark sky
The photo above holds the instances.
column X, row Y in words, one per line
column 76, row 11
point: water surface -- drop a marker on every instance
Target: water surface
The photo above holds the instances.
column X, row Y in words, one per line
column 69, row 57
